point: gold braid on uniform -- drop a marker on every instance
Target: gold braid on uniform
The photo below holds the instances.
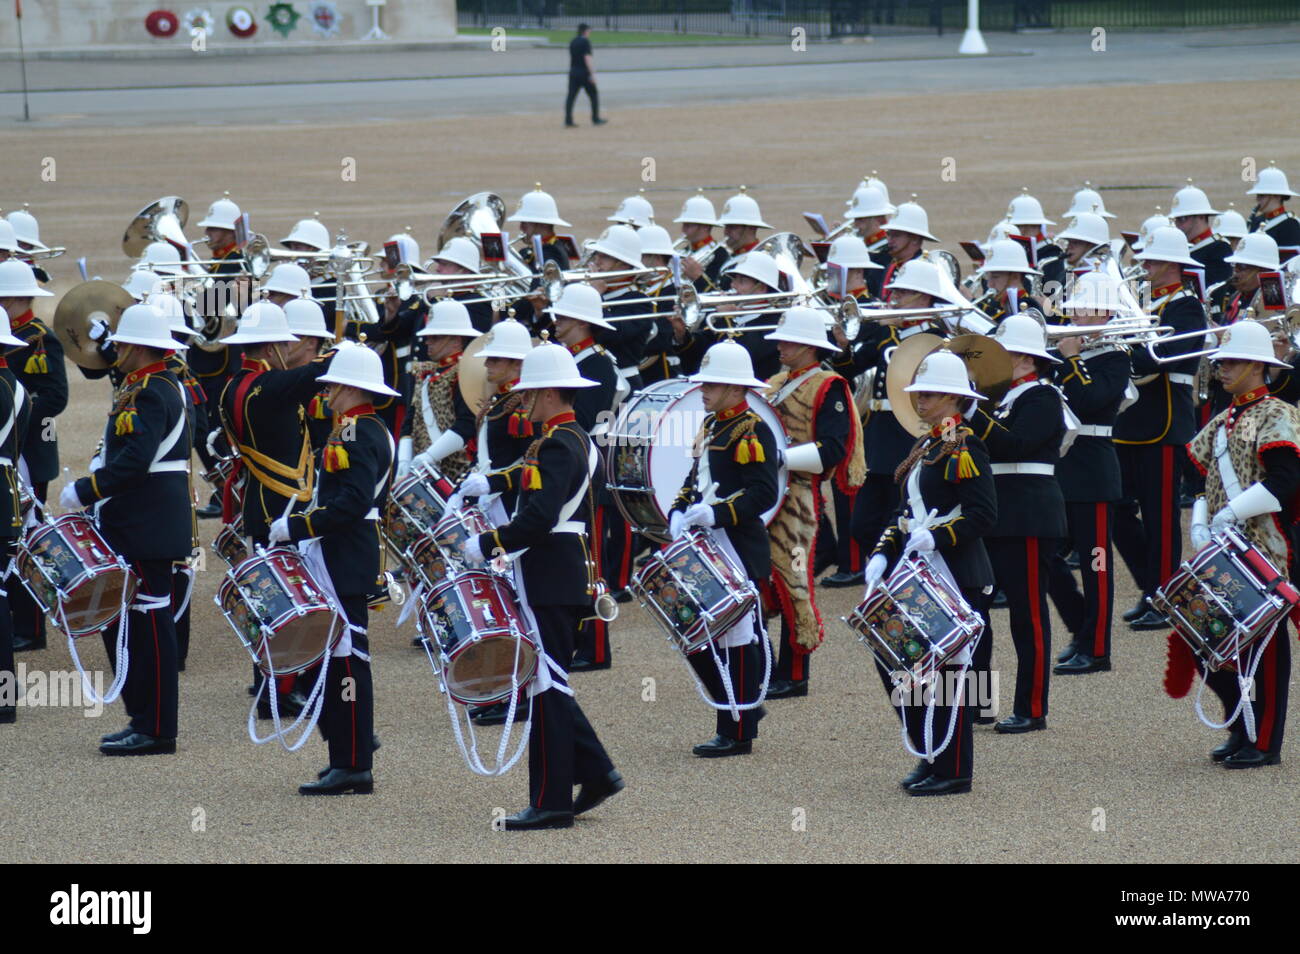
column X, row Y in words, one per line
column 958, row 463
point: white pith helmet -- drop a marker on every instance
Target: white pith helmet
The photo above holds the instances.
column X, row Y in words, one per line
column 727, row 362
column 507, row 339
column 1167, row 244
column 911, row 218
column 582, row 302
column 222, row 214
column 550, row 366
column 1256, row 248
column 261, row 323
column 1024, row 209
column 1247, row 341
column 1087, row 200
column 288, row 278
column 742, row 209
column 17, row 280
column 306, row 319
column 697, row 210
column 448, row 317
column 357, row 366
column 1007, row 255
column 1020, row 334
column 1271, row 181
column 620, row 242
column 1087, row 227
column 1190, row 200
column 942, row 372
column 310, row 232
column 849, row 251
column 147, row 326
column 537, row 206
column 803, row 325
column 461, row 251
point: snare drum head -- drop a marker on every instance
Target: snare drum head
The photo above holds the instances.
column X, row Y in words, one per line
column 655, row 434
column 71, row 557
column 270, row 592
column 469, row 617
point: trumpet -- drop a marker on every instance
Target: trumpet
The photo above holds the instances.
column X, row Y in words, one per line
column 1202, row 333
column 39, row 254
column 846, row 315
column 1121, row 331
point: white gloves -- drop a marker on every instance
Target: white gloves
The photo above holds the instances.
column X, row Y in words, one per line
column 698, row 515
column 1254, row 501
column 211, row 441
column 475, row 485
column 1200, row 530
column 96, row 462
column 473, row 552
column 98, row 329
column 921, row 541
column 280, row 531
column 874, row 572
column 68, row 498
column 444, row 446
column 676, row 524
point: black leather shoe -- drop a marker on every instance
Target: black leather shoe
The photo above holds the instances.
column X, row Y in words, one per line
column 1151, row 619
column 922, row 771
column 1140, row 607
column 374, row 747
column 593, row 793
column 8, row 715
column 843, row 578
column 571, row 125
column 599, row 122
column 999, row 600
column 985, row 720
column 1250, row 757
column 496, row 714
column 720, row 747
column 580, row 664
column 339, row 781
column 137, row 743
column 210, row 512
column 622, row 596
column 1235, row 740
column 787, row 689
column 823, row 562
column 934, row 785
column 1070, row 650
column 1080, row 663
column 117, row 736
column 532, row 819
column 24, row 644
column 1015, row 724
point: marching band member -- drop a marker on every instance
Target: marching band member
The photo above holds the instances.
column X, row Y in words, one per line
column 755, row 273
column 816, row 406
column 947, row 473
column 38, row 366
column 885, row 441
column 1231, row 226
column 1148, row 435
column 619, row 249
column 870, row 211
column 461, row 256
column 142, row 507
column 659, row 362
column 440, row 423
column 15, row 414
column 1250, row 456
column 1023, row 437
column 8, row 242
column 1093, row 379
column 1087, row 237
column 1005, row 271
column 635, row 212
column 703, row 256
column 735, row 453
column 1026, row 214
column 1270, row 214
column 27, row 233
column 344, row 515
column 1087, row 200
column 906, row 231
column 551, row 522
column 740, row 220
column 1190, row 214
column 306, row 321
column 538, row 216
column 576, row 315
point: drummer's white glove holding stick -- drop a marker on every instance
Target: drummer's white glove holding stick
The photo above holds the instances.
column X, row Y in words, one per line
column 698, row 515
column 1255, row 501
column 472, row 550
column 874, row 573
column 475, row 485
column 68, row 498
column 921, row 540
column 1200, row 529
column 279, row 530
column 676, row 524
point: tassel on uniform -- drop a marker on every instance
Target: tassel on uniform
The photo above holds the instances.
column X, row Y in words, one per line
column 1180, row 668
column 966, row 468
column 519, row 425
column 125, row 423
column 749, row 449
column 316, row 408
column 532, row 477
column 336, row 457
column 37, row 364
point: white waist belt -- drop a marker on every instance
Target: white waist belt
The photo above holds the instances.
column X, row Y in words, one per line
column 626, row 373
column 1186, row 379
column 6, row 462
column 570, row 526
column 404, row 351
column 1042, row 470
column 1095, row 430
column 879, row 405
column 170, row 466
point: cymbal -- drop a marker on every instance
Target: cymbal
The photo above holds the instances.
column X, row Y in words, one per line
column 987, row 362
column 81, row 305
column 906, row 358
column 472, row 374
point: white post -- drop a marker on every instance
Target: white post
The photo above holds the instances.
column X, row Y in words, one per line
column 376, row 31
column 972, row 42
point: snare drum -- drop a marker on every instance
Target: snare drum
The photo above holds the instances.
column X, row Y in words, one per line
column 279, row 613
column 914, row 622
column 220, row 471
column 482, row 650
column 648, row 452
column 230, row 546
column 694, row 591
column 415, row 505
column 451, row 532
column 1225, row 598
column 67, row 563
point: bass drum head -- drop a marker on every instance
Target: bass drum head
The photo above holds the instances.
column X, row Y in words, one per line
column 672, row 426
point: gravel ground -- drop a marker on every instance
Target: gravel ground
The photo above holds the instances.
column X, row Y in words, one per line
column 1115, row 742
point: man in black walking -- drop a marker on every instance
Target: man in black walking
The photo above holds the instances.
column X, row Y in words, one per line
column 582, row 75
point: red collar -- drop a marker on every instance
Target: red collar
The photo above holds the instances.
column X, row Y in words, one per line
column 1208, row 233
column 875, row 237
column 807, row 367
column 731, row 412
column 1280, row 210
column 505, row 388
column 947, row 424
column 581, row 345
column 448, row 361
column 550, row 239
column 4, row 362
column 745, row 248
column 696, row 246
column 21, row 319
column 1164, row 290
column 1031, row 376
column 564, row 417
column 223, row 251
column 156, row 368
column 360, row 410
column 253, row 364
column 1250, row 397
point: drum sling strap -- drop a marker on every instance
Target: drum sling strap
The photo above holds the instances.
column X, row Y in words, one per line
column 267, row 470
column 20, row 394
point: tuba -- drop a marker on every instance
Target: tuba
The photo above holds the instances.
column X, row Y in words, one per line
column 789, row 250
column 486, row 212
column 161, row 221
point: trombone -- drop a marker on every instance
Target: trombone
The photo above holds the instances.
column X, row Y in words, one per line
column 1121, row 331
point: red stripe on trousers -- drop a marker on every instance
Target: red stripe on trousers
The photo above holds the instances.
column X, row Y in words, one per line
column 623, row 564
column 1103, row 577
column 1036, row 620
column 1267, row 694
column 1167, row 513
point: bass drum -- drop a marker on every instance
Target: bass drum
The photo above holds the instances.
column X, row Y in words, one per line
column 648, row 452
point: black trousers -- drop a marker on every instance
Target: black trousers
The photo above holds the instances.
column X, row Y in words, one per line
column 1272, row 682
column 745, row 664
column 181, row 589
column 1088, row 614
column 563, row 749
column 347, row 718
column 150, row 693
column 8, row 676
column 873, row 506
column 577, row 83
column 1020, row 565
column 1148, row 530
column 28, row 618
column 792, row 662
column 848, row 553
